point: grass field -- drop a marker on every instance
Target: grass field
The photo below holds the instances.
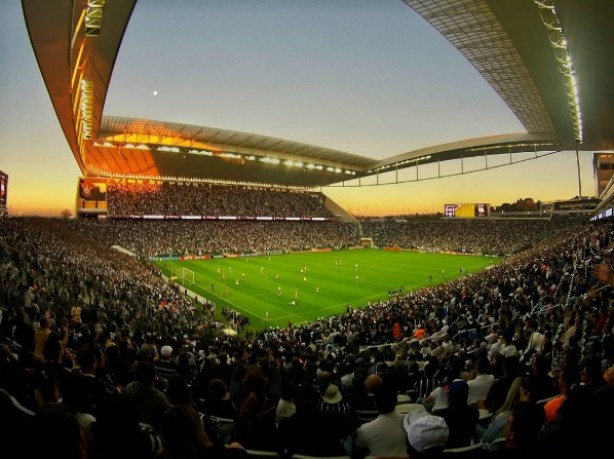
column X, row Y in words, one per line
column 320, row 284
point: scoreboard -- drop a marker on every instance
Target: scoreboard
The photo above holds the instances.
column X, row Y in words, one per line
column 4, row 181
column 466, row 210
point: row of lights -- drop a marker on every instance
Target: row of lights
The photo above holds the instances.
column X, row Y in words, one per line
column 549, row 17
column 87, row 107
column 400, row 163
column 93, row 17
column 263, row 159
column 512, row 145
column 168, row 178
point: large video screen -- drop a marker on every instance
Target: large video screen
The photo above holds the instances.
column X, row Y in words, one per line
column 466, row 210
column 93, row 189
column 4, row 181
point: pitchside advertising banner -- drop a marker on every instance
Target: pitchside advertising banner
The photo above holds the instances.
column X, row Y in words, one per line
column 220, row 217
column 4, row 180
column 466, row 210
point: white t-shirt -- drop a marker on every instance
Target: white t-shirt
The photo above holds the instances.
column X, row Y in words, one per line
column 384, row 436
column 479, row 387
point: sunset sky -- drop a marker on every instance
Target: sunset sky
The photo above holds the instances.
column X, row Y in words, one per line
column 362, row 76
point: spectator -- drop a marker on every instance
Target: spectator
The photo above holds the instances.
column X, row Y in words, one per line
column 460, row 418
column 183, row 437
column 150, row 402
column 481, row 383
column 311, row 431
column 384, row 436
column 427, row 435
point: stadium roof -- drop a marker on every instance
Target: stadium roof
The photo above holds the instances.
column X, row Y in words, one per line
column 523, row 48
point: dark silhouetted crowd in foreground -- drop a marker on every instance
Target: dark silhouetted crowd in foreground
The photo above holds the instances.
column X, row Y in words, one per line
column 100, row 358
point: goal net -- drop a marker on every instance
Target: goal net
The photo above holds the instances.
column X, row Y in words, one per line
column 184, row 276
column 187, row 276
column 366, row 242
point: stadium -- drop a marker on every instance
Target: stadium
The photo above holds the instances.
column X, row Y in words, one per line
column 211, row 298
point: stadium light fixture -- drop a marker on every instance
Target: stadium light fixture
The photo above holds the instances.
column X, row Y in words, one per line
column 87, row 105
column 93, row 17
column 550, row 19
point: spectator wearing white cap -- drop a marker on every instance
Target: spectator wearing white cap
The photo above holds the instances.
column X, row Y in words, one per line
column 166, row 366
column 427, row 435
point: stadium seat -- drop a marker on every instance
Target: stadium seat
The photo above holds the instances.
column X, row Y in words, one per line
column 263, row 454
column 405, row 408
column 474, row 451
column 304, row 456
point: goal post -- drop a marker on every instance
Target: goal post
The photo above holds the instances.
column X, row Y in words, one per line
column 187, row 276
column 366, row 242
column 184, row 276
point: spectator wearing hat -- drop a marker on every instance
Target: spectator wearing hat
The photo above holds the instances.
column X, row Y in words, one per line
column 384, row 436
column 460, row 417
column 426, row 434
column 332, row 400
column 311, row 431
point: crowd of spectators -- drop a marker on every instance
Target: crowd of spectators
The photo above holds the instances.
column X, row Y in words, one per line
column 86, row 333
column 187, row 198
column 158, row 238
column 184, row 237
column 488, row 237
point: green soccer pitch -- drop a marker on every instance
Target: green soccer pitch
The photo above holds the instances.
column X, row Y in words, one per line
column 302, row 287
